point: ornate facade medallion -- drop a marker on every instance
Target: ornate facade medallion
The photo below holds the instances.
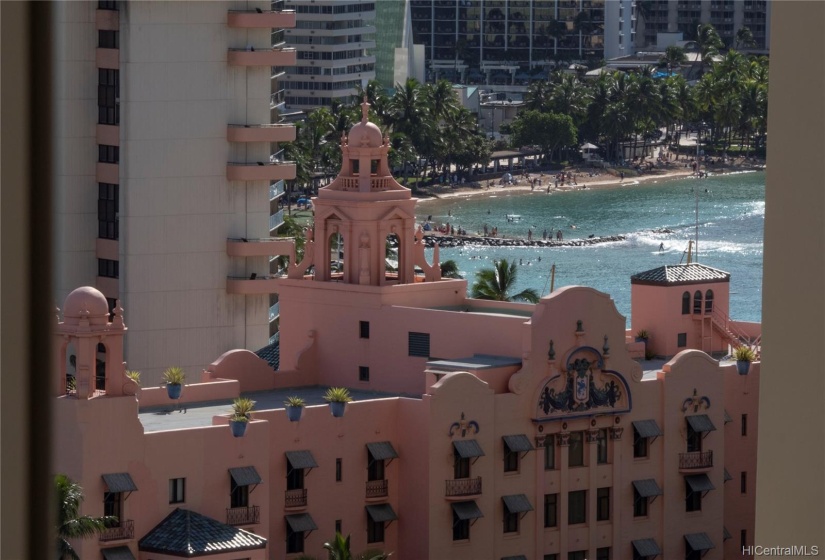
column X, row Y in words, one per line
column 696, row 402
column 463, row 426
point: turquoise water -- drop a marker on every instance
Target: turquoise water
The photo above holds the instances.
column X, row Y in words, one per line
column 731, row 225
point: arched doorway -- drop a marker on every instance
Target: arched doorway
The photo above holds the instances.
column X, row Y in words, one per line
column 709, row 301
column 686, row 303
column 697, row 302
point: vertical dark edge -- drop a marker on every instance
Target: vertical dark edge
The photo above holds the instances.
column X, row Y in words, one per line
column 41, row 160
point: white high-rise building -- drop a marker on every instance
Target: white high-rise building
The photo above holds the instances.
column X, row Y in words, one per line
column 620, row 28
column 165, row 138
column 333, row 39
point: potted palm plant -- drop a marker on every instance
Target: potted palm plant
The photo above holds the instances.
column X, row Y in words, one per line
column 294, row 408
column 134, row 376
column 744, row 355
column 337, row 397
column 241, row 415
column 174, row 377
column 642, row 336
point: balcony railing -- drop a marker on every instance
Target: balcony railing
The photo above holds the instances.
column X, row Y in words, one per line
column 242, row 515
column 276, row 219
column 274, row 311
column 276, row 189
column 126, row 530
column 463, row 487
column 295, row 498
column 377, row 488
column 696, row 460
column 275, row 338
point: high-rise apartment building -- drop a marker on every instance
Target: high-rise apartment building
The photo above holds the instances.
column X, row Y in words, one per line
column 165, row 169
column 727, row 16
column 333, row 39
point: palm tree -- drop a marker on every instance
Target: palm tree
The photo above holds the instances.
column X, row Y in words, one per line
column 496, row 284
column 709, row 42
column 449, row 269
column 673, row 57
column 70, row 524
column 744, row 38
column 339, row 549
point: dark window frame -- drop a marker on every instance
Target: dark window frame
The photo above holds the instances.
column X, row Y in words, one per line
column 108, row 210
column 511, row 521
column 603, row 553
column 108, row 154
column 641, row 504
column 681, row 340
column 550, row 453
column 239, row 495
column 294, row 540
column 177, row 490
column 363, row 329
column 461, row 528
column 686, row 303
column 294, row 477
column 603, row 504
column 744, row 424
column 551, row 510
column 641, row 445
column 375, row 530
column 418, row 344
column 511, row 459
column 602, row 455
column 108, row 268
column 743, row 482
column 693, row 500
column 363, row 373
column 577, row 515
column 108, row 39
column 339, row 470
column 576, row 441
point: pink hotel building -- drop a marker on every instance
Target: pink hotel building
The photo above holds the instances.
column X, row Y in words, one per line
column 479, row 429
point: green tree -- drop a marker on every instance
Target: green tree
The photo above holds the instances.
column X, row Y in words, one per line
column 674, row 56
column 339, row 549
column 72, row 525
column 449, row 269
column 496, row 284
column 710, row 43
column 744, row 38
column 546, row 130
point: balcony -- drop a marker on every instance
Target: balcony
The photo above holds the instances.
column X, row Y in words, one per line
column 284, row 56
column 274, row 311
column 461, row 487
column 243, row 515
column 124, row 531
column 252, row 19
column 276, row 220
column 260, row 133
column 696, row 461
column 295, row 498
column 262, row 247
column 377, row 489
column 260, row 171
column 276, row 190
column 252, row 285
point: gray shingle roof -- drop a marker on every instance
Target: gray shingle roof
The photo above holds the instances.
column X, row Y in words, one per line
column 189, row 534
column 678, row 274
column 271, row 354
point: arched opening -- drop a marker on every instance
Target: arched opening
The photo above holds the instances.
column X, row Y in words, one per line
column 686, row 303
column 336, row 256
column 70, row 367
column 100, row 367
column 709, row 301
column 697, row 302
column 392, row 256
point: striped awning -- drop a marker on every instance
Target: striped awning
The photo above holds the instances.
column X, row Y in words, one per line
column 518, row 443
column 699, row 483
column 647, row 488
column 468, row 448
column 699, row 541
column 301, row 522
column 647, row 428
column 701, row 423
column 646, row 547
column 517, row 503
column 381, row 512
column 245, row 476
column 382, row 451
column 117, row 553
column 301, row 459
column 467, row 510
column 119, row 482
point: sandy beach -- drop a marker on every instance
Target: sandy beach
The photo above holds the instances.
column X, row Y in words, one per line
column 603, row 179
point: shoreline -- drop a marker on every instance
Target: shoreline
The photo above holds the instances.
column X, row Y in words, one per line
column 604, row 180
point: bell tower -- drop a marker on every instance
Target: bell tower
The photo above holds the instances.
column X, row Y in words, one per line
column 89, row 356
column 365, row 220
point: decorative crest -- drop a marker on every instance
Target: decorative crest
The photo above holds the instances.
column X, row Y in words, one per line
column 696, row 402
column 463, row 426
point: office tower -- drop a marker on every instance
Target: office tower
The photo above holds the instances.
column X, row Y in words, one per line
column 164, row 149
column 334, row 39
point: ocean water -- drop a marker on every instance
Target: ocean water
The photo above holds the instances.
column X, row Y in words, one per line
column 731, row 226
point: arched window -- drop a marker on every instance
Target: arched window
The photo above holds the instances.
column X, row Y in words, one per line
column 71, row 368
column 336, row 255
column 392, row 257
column 709, row 301
column 686, row 303
column 697, row 302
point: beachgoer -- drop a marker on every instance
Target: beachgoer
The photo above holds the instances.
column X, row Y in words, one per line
column 544, row 236
column 529, row 235
column 661, row 247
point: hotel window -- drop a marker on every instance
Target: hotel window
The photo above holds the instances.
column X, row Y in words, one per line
column 603, row 504
column 577, row 507
column 709, row 301
column 743, row 482
column 551, row 510
column 108, row 39
column 239, row 495
column 375, row 468
column 694, row 439
column 577, row 555
column 107, row 210
column 510, row 459
column 294, row 477
column 603, row 553
column 177, row 490
column 681, row 340
column 510, row 521
column 461, row 465
column 375, row 530
column 697, row 302
column 693, row 499
column 363, row 373
column 419, row 344
column 337, row 525
column 294, row 540
column 686, row 303
column 601, row 447
column 744, row 424
column 108, row 154
column 108, row 268
column 640, row 444
column 549, row 453
column 113, row 504
column 575, row 451
column 364, row 329
column 461, row 528
column 108, row 96
column 107, row 5
column 639, row 504
column 338, row 470
column 743, row 538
